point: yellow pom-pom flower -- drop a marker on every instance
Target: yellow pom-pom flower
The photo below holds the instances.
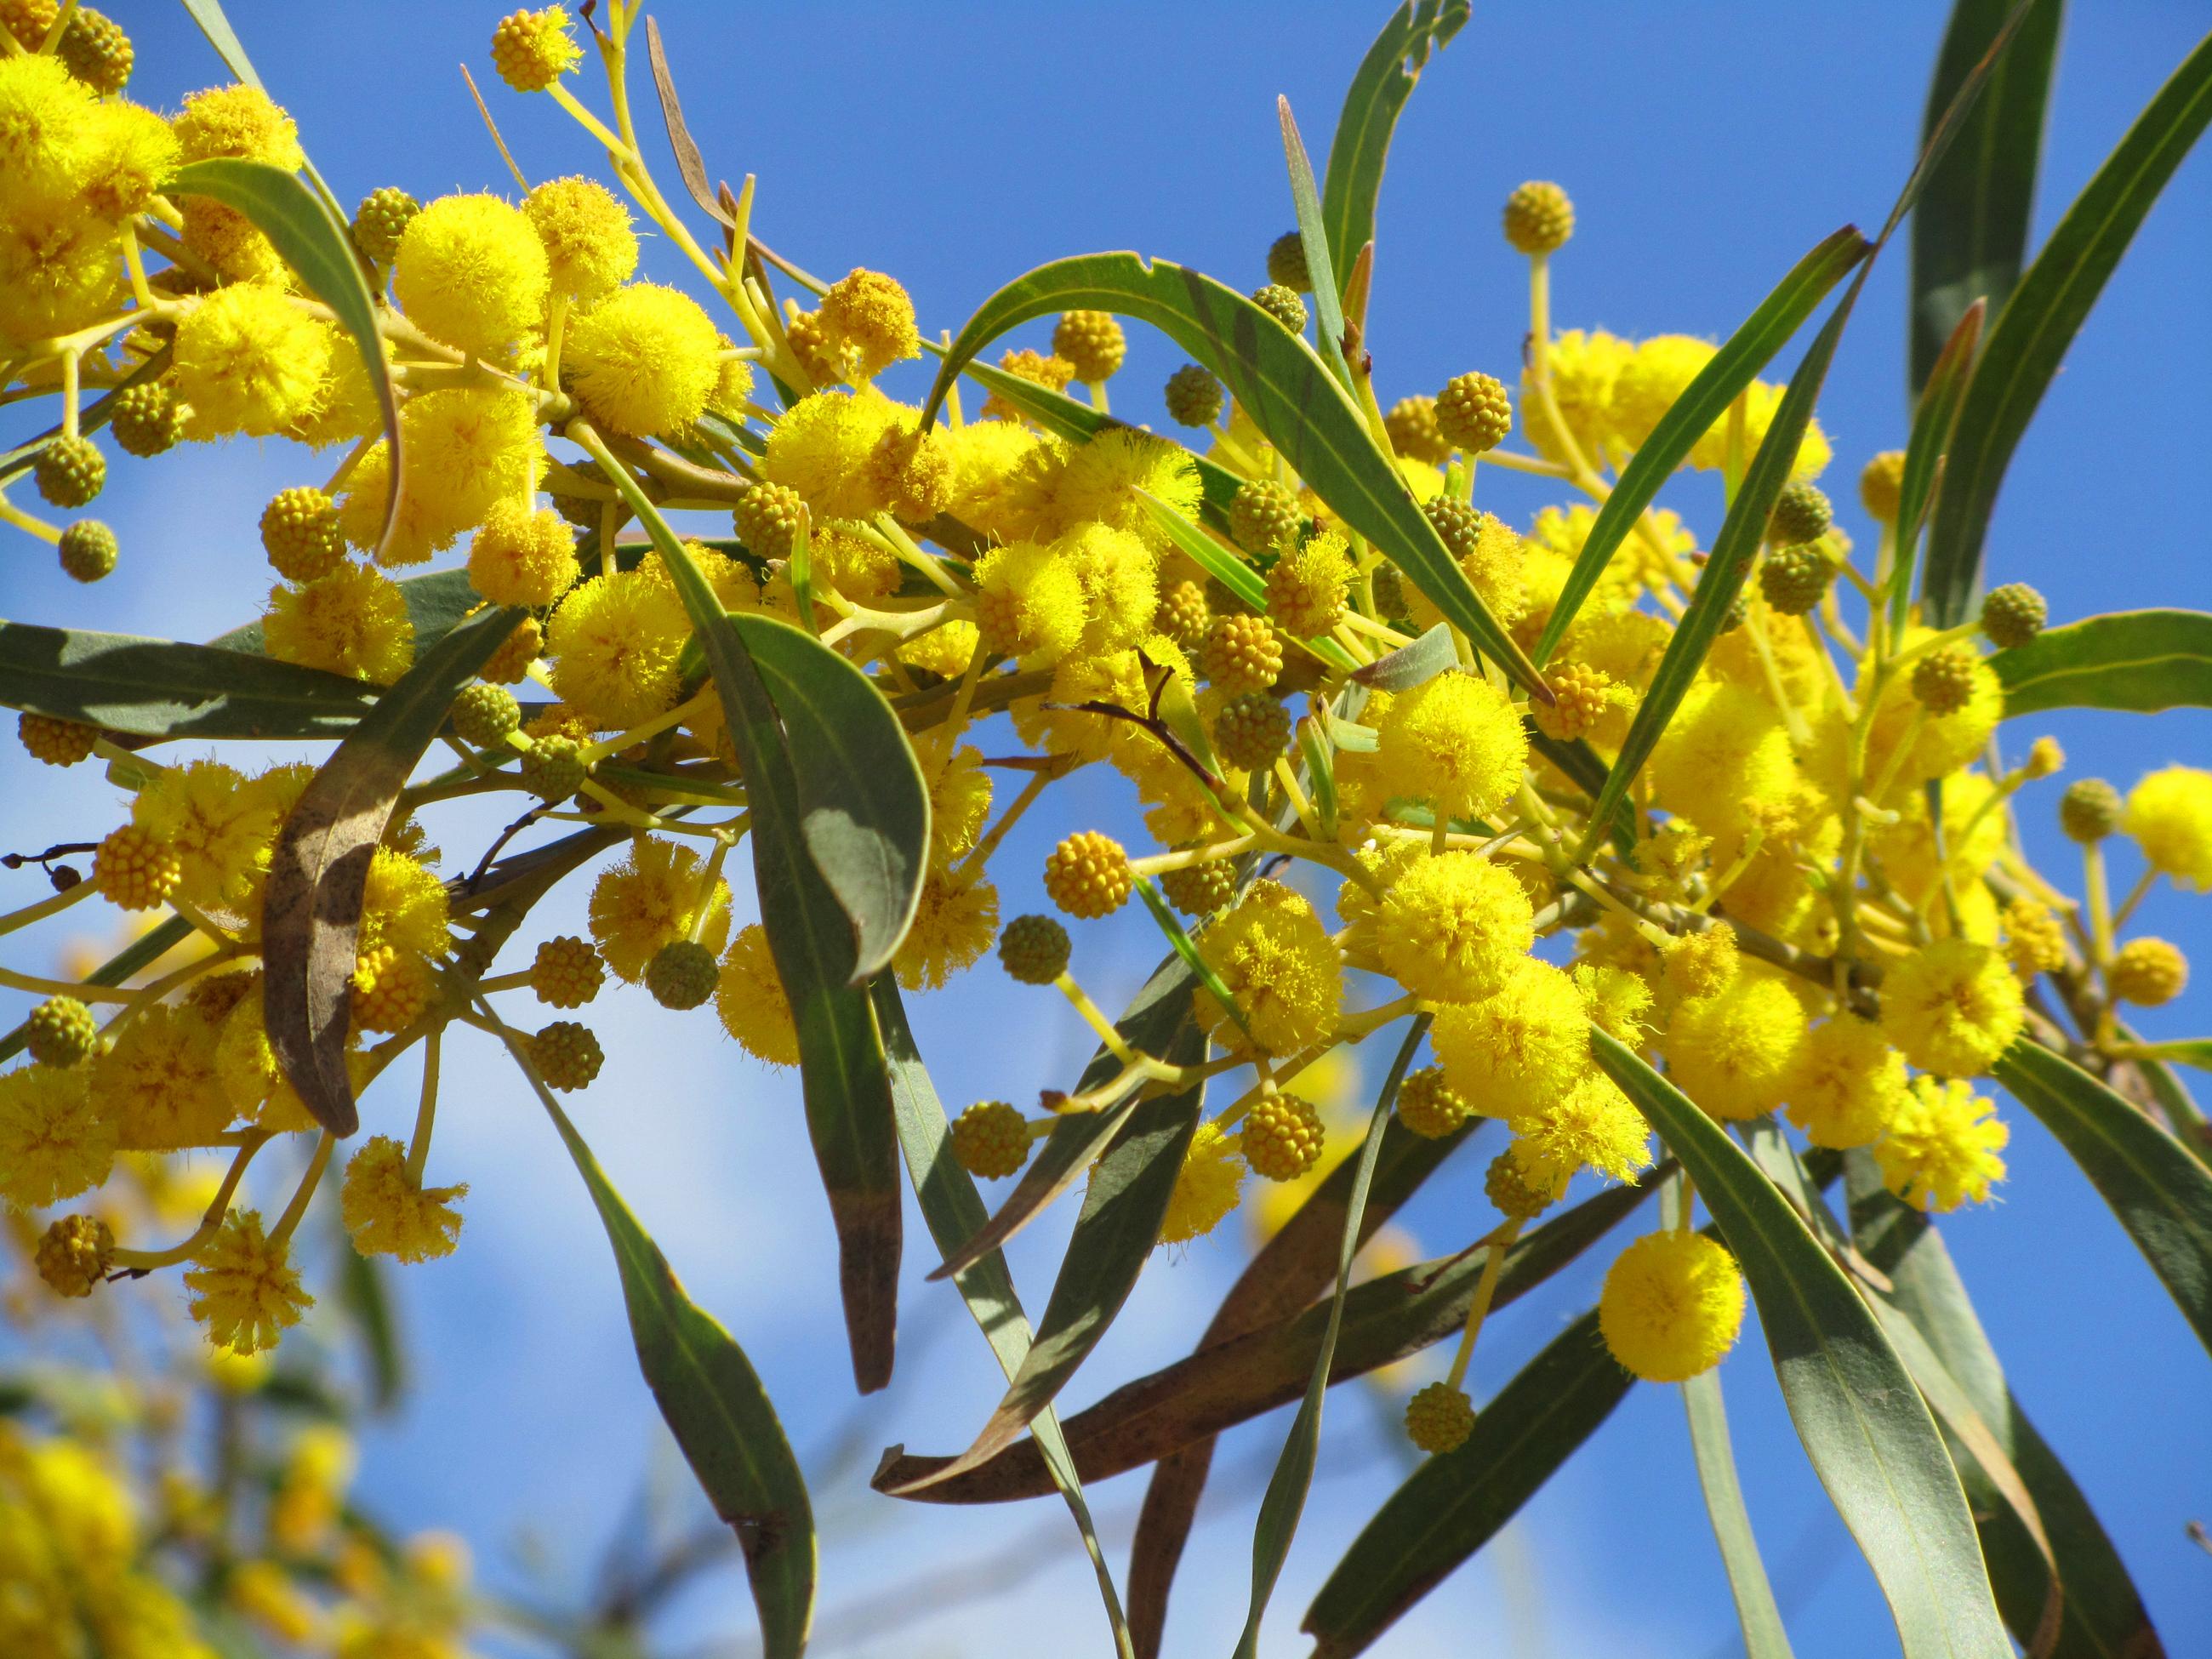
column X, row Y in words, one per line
column 1451, row 928
column 1029, row 603
column 1584, row 368
column 216, row 829
column 248, row 360
column 471, row 271
column 1280, row 967
column 822, row 446
column 1119, row 577
column 54, row 1141
column 1593, row 1126
column 953, row 927
column 1734, row 1053
column 522, row 557
column 244, row 1287
column 158, row 1084
column 1098, row 482
column 352, row 622
column 651, row 899
column 531, row 50
column 2169, row 814
column 387, row 1210
column 1848, row 1085
column 644, row 359
column 1671, row 1305
column 1520, row 1050
column 45, row 140
column 1942, row 1148
column 1455, row 742
column 466, row 451
column 241, row 122
column 1953, row 1007
column 589, row 244
column 1725, row 755
column 752, row 1001
column 868, row 322
column 1206, row 1187
column 615, row 643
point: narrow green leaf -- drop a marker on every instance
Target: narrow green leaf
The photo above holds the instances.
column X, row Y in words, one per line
column 1703, row 401
column 2030, row 336
column 1201, row 970
column 1414, row 664
column 1864, row 1424
column 720, row 1415
column 1764, row 1637
column 1285, row 1496
column 1741, row 531
column 1970, row 235
column 1313, row 237
column 843, row 1074
column 1379, row 91
column 149, row 688
column 1319, row 754
column 208, row 14
column 1286, row 389
column 2139, row 661
column 1148, row 1025
column 2161, row 1195
column 2101, row 1616
column 1114, row 1235
column 1242, row 1377
column 1455, row 1502
column 1935, row 421
column 864, row 807
column 311, row 908
column 310, row 236
column 1282, row 1277
column 365, row 1293
column 954, row 1213
column 2189, row 1051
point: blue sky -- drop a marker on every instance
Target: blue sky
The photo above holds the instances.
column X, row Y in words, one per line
column 1706, row 147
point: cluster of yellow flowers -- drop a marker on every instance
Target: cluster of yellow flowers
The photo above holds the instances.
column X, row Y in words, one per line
column 1796, row 932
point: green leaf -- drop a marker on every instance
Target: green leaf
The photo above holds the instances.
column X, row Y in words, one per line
column 1148, row 1025
column 1313, row 238
column 2139, row 661
column 208, row 14
column 1290, row 396
column 842, row 1071
column 2030, row 337
column 1244, row 1377
column 1864, row 1424
column 1455, row 1502
column 1114, row 1234
column 311, row 908
column 149, row 688
column 1414, row 664
column 1935, row 421
column 2101, row 1616
column 364, row 1290
column 864, row 807
column 1970, row 235
column 1703, row 401
column 720, row 1415
column 1287, row 1487
column 1379, row 91
column 954, row 1213
column 1741, row 531
column 1764, row 1637
column 1283, row 1277
column 2162, row 1196
column 311, row 238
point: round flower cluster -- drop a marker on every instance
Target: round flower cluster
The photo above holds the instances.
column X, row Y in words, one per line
column 1819, row 913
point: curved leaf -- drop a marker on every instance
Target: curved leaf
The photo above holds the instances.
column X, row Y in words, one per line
column 1935, row 421
column 2162, row 1196
column 1455, row 1502
column 311, row 906
column 954, row 1211
column 312, row 238
column 1286, row 389
column 1284, row 1275
column 1114, row 1234
column 1863, row 1424
column 2101, row 1616
column 2139, row 661
column 1705, row 401
column 168, row 689
column 1764, row 1637
column 1970, row 233
column 2031, row 334
column 1232, row 1382
column 1380, row 88
column 720, row 1415
column 864, row 808
column 842, row 1071
column 1313, row 238
column 1285, row 1496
